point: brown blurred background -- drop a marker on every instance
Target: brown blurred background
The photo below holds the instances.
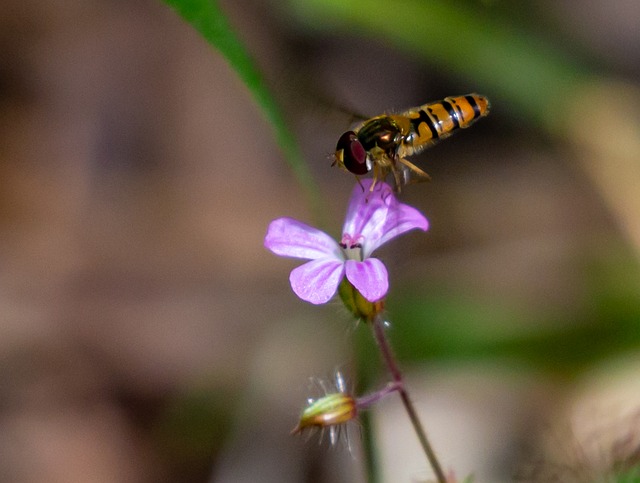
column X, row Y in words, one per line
column 147, row 335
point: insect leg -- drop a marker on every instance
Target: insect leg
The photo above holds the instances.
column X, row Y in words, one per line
column 421, row 174
column 377, row 174
column 397, row 177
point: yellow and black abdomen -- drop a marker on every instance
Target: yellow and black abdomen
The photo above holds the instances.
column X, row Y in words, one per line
column 432, row 122
column 382, row 143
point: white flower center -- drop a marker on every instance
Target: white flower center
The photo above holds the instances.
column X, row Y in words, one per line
column 352, row 246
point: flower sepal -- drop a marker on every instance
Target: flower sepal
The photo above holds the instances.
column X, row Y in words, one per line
column 328, row 411
column 357, row 304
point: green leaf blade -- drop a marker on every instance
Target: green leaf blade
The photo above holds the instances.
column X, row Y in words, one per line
column 210, row 21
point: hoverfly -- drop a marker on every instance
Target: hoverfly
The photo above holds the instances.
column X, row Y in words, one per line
column 382, row 143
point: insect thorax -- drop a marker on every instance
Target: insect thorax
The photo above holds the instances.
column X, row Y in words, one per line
column 381, row 132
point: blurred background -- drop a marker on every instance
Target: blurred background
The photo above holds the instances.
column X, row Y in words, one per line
column 147, row 336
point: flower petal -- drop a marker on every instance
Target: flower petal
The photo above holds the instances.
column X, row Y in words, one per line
column 400, row 219
column 291, row 238
column 366, row 208
column 317, row 281
column 369, row 277
column 377, row 216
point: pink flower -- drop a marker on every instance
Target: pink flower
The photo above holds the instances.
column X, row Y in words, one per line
column 373, row 218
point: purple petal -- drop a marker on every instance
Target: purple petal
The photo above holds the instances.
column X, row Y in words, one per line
column 379, row 217
column 369, row 277
column 400, row 219
column 291, row 238
column 317, row 281
column 366, row 207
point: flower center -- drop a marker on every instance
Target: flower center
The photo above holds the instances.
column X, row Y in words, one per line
column 352, row 246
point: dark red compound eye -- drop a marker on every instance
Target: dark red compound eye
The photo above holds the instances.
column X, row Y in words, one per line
column 354, row 155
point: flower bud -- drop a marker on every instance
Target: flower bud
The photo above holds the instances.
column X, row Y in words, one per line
column 330, row 410
column 355, row 303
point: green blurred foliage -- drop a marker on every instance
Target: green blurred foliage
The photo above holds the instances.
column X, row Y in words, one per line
column 451, row 324
column 511, row 65
column 207, row 17
column 631, row 475
column 192, row 428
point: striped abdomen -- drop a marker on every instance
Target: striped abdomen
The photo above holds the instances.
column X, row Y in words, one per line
column 431, row 122
column 382, row 143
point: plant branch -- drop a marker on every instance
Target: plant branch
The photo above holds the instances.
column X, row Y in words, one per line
column 387, row 354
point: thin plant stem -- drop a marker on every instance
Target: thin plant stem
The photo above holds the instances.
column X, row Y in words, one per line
column 365, row 401
column 396, row 374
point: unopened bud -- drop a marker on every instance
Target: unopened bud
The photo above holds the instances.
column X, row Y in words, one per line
column 330, row 410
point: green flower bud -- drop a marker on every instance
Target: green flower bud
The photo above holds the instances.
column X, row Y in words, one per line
column 330, row 410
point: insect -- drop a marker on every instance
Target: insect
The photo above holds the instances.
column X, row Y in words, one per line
column 382, row 143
